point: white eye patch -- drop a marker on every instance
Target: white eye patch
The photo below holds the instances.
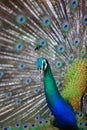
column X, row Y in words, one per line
column 44, row 65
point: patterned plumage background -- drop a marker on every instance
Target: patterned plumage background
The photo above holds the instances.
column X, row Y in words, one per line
column 54, row 29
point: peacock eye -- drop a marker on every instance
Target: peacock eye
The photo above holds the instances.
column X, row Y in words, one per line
column 18, row 102
column 9, row 94
column 65, row 26
column 85, row 20
column 18, row 124
column 36, row 90
column 37, row 117
column 46, row 121
column 25, row 126
column 5, row 128
column 74, row 4
column 86, row 124
column 1, row 74
column 46, row 21
column 33, row 125
column 40, row 122
column 20, row 19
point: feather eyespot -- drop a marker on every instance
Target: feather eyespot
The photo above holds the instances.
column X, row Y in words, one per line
column 33, row 125
column 40, row 122
column 20, row 19
column 74, row 3
column 9, row 94
column 18, row 124
column 1, row 74
column 61, row 49
column 18, row 47
column 65, row 26
column 59, row 64
column 76, row 42
column 25, row 126
column 85, row 20
column 18, row 101
column 46, row 21
column 5, row 128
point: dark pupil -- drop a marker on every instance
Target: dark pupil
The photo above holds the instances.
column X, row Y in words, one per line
column 85, row 124
column 21, row 19
column 28, row 80
column 17, row 124
column 40, row 122
column 25, row 126
column 19, row 46
column 18, row 101
column 9, row 94
column 46, row 121
column 46, row 21
column 76, row 41
column 43, row 42
column 61, row 48
column 86, row 19
column 36, row 90
column 80, row 115
column 65, row 26
column 21, row 65
column 74, row 2
column 32, row 125
column 5, row 129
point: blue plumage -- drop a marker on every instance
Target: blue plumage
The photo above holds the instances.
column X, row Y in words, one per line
column 65, row 118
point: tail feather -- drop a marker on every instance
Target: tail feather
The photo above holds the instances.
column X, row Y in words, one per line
column 54, row 29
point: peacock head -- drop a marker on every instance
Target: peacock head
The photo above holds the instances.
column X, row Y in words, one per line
column 41, row 63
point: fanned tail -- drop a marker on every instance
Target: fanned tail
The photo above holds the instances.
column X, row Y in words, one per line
column 55, row 29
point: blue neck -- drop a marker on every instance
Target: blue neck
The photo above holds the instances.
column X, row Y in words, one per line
column 62, row 111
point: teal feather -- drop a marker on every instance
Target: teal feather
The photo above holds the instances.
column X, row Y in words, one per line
column 65, row 117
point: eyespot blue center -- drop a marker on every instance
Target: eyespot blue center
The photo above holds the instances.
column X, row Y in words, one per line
column 74, row 3
column 46, row 21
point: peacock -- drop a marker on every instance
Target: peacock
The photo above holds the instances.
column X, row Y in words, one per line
column 43, row 64
column 65, row 117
